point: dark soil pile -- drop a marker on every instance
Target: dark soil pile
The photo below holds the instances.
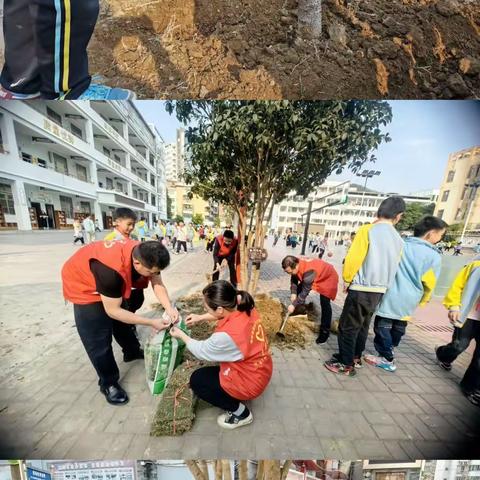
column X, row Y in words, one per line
column 250, row 49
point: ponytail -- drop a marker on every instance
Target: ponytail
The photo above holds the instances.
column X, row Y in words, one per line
column 246, row 303
column 223, row 294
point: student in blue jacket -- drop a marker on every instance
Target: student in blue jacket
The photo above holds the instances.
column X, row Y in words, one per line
column 414, row 283
column 463, row 303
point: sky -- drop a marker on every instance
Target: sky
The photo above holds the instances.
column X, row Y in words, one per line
column 423, row 132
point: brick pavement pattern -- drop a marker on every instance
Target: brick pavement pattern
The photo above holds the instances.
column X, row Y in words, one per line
column 50, row 406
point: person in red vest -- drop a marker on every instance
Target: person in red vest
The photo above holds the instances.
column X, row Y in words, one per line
column 309, row 274
column 98, row 280
column 225, row 249
column 239, row 344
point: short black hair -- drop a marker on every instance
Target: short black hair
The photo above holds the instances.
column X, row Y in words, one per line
column 391, row 207
column 428, row 223
column 228, row 234
column 124, row 213
column 290, row 261
column 152, row 254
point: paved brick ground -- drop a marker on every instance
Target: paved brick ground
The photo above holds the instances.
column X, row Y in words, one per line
column 50, row 406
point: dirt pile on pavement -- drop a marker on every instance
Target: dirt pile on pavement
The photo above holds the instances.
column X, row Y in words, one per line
column 250, row 49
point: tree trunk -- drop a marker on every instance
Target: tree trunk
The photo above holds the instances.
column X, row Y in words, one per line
column 242, row 219
column 285, row 468
column 260, row 469
column 310, row 18
column 243, row 470
column 195, row 469
column 227, row 475
column 272, row 470
column 218, row 470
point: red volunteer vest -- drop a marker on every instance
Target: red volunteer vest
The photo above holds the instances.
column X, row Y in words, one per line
column 78, row 280
column 247, row 378
column 326, row 280
column 225, row 250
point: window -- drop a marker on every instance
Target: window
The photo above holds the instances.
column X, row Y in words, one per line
column 152, row 180
column 6, row 199
column 76, row 131
column 463, row 193
column 66, row 204
column 85, row 207
column 81, row 172
column 117, row 158
column 119, row 187
column 445, row 195
column 459, row 214
column 440, row 213
column 54, row 116
column 153, row 200
column 60, row 164
column 451, row 175
column 106, row 151
column 42, row 163
column 26, row 157
column 470, row 172
column 109, row 183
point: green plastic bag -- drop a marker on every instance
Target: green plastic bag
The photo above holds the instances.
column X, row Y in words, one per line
column 163, row 354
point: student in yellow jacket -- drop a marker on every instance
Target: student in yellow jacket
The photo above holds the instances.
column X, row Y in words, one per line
column 463, row 303
column 369, row 270
column 124, row 222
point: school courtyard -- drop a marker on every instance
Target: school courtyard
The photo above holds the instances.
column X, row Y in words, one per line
column 50, row 406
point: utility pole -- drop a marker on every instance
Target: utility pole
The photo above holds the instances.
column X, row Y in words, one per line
column 475, row 186
column 367, row 174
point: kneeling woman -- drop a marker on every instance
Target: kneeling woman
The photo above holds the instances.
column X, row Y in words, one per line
column 239, row 344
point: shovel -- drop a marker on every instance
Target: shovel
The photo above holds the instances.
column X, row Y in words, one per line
column 280, row 333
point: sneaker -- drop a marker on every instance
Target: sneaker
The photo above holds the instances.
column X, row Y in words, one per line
column 445, row 365
column 322, row 337
column 231, row 421
column 473, row 397
column 336, row 367
column 380, row 362
column 357, row 362
column 9, row 95
column 102, row 92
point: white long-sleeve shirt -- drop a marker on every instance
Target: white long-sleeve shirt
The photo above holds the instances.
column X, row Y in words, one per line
column 220, row 347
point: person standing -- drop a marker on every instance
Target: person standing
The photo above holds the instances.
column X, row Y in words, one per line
column 293, row 240
column 46, row 51
column 369, row 270
column 463, row 303
column 309, row 274
column 225, row 248
column 182, row 236
column 414, row 283
column 89, row 228
column 98, row 280
column 77, row 232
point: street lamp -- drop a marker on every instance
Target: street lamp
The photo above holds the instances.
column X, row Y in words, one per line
column 475, row 186
column 366, row 174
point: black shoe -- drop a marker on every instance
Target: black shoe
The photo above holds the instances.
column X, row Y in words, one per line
column 445, row 365
column 135, row 356
column 115, row 394
column 322, row 336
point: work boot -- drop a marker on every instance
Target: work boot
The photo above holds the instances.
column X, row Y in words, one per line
column 115, row 394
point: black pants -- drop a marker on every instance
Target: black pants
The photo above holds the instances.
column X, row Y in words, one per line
column 388, row 333
column 354, row 322
column 231, row 268
column 79, row 239
column 205, row 383
column 325, row 304
column 96, row 329
column 181, row 244
column 46, row 46
column 460, row 341
column 210, row 246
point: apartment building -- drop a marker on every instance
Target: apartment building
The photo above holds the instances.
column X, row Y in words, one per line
column 378, row 470
column 339, row 220
column 457, row 470
column 60, row 161
column 459, row 199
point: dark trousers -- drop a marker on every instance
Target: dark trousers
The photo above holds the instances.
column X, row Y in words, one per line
column 388, row 333
column 96, row 329
column 231, row 268
column 181, row 244
column 326, row 306
column 205, row 383
column 46, row 46
column 460, row 341
column 354, row 322
column 210, row 246
column 79, row 239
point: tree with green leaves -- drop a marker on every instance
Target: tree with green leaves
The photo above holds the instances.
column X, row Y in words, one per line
column 197, row 219
column 178, row 219
column 413, row 213
column 169, row 207
column 248, row 155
